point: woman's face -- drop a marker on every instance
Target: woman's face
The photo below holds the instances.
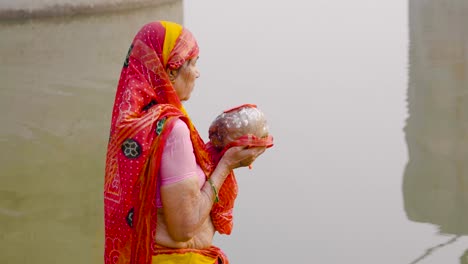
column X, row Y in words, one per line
column 184, row 81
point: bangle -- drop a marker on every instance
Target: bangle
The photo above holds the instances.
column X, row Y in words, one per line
column 214, row 190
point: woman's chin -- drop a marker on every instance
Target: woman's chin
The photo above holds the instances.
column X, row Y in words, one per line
column 186, row 98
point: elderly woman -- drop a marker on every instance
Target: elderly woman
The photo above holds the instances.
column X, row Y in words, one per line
column 162, row 195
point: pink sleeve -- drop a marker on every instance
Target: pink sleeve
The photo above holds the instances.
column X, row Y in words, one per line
column 178, row 160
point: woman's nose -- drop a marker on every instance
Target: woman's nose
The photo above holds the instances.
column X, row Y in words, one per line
column 197, row 73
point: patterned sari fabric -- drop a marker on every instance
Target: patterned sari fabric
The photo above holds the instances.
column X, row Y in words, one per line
column 145, row 107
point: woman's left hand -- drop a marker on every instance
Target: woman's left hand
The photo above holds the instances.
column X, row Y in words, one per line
column 241, row 156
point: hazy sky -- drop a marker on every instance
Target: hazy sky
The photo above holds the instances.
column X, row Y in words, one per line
column 331, row 76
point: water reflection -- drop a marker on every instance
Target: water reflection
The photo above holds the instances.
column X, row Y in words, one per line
column 464, row 258
column 435, row 184
column 58, row 84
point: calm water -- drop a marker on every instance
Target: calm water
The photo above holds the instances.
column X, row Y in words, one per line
column 367, row 101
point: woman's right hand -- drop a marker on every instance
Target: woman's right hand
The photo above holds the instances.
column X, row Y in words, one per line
column 241, row 156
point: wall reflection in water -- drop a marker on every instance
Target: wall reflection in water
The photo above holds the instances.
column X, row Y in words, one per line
column 435, row 184
column 58, row 84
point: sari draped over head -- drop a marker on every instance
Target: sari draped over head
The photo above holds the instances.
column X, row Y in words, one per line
column 145, row 108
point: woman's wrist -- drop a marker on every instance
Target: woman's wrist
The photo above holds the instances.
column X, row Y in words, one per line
column 216, row 179
column 226, row 166
column 214, row 189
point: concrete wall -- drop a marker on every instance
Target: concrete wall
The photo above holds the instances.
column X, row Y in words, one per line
column 435, row 184
column 18, row 9
column 58, row 85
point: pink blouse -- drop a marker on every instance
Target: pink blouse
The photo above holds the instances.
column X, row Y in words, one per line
column 178, row 160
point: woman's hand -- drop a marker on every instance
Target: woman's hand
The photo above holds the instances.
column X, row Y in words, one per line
column 241, row 156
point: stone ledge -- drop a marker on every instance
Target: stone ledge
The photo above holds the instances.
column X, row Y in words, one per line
column 72, row 9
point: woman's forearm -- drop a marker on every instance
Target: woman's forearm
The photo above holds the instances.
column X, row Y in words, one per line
column 217, row 178
column 187, row 208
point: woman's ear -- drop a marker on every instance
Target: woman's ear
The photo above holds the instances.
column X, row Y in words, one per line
column 172, row 74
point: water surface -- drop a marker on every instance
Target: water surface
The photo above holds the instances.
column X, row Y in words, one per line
column 366, row 101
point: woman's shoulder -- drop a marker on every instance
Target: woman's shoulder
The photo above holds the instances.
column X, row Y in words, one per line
column 180, row 125
column 180, row 129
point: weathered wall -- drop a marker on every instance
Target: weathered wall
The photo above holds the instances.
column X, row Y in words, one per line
column 435, row 185
column 33, row 9
column 59, row 77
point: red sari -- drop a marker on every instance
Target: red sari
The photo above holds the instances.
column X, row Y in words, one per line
column 145, row 107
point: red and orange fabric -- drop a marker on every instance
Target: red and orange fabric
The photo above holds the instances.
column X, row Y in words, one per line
column 145, row 108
